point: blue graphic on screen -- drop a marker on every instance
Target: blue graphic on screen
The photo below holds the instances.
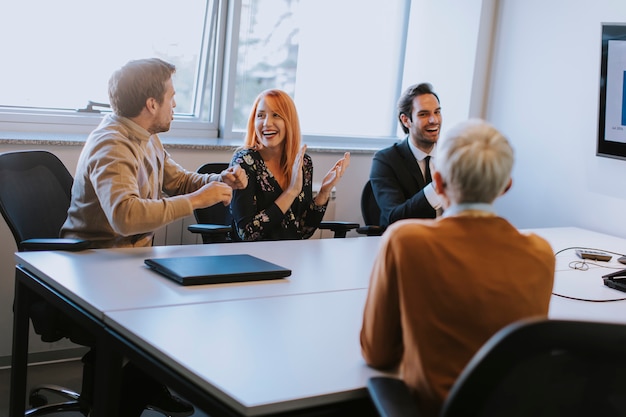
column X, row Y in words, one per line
column 615, row 117
column 624, row 100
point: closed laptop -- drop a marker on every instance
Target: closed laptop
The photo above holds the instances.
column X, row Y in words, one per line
column 216, row 269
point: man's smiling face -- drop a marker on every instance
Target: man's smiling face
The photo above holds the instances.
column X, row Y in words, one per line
column 425, row 123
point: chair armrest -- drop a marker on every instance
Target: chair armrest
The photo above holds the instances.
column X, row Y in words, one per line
column 210, row 229
column 67, row 244
column 340, row 228
column 391, row 397
column 370, row 230
column 211, row 233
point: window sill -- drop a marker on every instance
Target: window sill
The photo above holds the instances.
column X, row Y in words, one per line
column 320, row 144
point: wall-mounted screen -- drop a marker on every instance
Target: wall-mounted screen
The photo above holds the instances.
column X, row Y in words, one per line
column 612, row 109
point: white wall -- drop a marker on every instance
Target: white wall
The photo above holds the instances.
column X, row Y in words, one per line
column 442, row 50
column 544, row 95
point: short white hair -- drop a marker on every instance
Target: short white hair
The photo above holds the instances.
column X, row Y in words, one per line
column 475, row 162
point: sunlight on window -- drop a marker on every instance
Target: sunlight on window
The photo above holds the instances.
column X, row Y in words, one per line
column 339, row 60
column 64, row 51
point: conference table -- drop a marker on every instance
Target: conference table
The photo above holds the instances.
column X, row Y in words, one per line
column 279, row 347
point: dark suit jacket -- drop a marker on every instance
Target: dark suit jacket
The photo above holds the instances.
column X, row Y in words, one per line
column 398, row 183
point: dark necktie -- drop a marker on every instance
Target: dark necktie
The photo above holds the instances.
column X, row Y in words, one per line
column 427, row 176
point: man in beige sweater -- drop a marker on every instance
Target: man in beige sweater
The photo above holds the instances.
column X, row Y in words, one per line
column 440, row 288
column 126, row 186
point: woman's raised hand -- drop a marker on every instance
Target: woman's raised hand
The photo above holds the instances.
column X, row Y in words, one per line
column 297, row 178
column 331, row 178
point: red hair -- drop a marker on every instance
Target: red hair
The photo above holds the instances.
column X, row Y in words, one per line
column 282, row 104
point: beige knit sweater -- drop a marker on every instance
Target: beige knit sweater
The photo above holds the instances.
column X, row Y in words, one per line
column 126, row 186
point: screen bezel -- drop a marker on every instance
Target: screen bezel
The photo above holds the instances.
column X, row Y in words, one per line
column 608, row 148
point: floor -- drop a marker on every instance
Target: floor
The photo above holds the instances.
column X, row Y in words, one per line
column 67, row 374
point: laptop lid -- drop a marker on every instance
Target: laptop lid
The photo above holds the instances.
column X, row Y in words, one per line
column 216, row 269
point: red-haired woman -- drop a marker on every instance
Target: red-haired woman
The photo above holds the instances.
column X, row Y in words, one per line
column 278, row 202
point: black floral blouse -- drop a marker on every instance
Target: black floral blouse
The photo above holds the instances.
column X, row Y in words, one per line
column 257, row 217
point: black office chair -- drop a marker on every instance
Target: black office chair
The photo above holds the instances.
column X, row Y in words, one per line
column 215, row 222
column 533, row 367
column 35, row 194
column 35, row 189
column 370, row 212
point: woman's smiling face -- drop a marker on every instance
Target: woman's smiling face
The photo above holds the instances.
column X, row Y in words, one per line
column 269, row 126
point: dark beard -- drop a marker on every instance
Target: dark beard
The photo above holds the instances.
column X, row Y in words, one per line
column 159, row 128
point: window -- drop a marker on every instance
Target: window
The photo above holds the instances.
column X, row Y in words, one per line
column 340, row 61
column 63, row 53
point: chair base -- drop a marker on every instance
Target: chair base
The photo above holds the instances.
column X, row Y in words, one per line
column 58, row 408
column 41, row 407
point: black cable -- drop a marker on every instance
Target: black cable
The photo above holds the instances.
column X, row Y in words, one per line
column 586, row 299
column 583, row 265
column 587, row 248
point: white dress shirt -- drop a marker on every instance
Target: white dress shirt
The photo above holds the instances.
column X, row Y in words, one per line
column 429, row 191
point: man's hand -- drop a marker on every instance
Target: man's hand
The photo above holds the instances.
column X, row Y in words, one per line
column 211, row 194
column 235, row 177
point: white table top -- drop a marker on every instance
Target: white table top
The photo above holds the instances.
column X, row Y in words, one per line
column 566, row 237
column 270, row 346
column 117, row 279
column 561, row 238
column 260, row 355
column 571, row 286
column 585, row 283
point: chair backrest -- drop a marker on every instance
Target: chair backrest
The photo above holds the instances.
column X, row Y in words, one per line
column 369, row 207
column 218, row 213
column 545, row 368
column 35, row 193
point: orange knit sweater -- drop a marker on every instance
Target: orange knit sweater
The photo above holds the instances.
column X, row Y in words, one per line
column 440, row 288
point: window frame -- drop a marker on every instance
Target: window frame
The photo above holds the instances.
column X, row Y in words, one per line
column 40, row 123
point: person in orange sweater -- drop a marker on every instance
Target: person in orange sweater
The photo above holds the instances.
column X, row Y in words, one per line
column 439, row 288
